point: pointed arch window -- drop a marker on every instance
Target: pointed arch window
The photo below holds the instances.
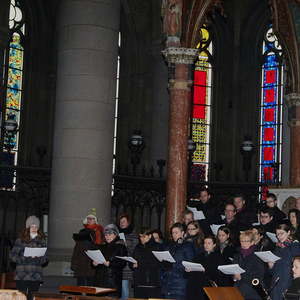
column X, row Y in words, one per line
column 13, row 84
column 201, row 107
column 271, row 106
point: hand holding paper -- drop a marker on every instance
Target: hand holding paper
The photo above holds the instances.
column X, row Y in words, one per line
column 193, row 266
column 164, row 255
column 267, row 256
column 128, row 258
column 231, row 269
column 96, row 255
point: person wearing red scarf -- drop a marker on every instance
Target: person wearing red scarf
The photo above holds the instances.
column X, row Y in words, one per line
column 87, row 238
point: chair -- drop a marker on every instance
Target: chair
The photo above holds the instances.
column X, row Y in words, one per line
column 223, row 293
column 8, row 281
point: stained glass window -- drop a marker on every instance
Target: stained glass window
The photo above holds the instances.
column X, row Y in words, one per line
column 201, row 107
column 13, row 79
column 271, row 110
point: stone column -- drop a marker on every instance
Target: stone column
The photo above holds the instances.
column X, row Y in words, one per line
column 293, row 102
column 84, row 119
column 180, row 61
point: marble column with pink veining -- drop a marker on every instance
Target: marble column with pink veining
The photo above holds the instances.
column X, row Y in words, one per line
column 180, row 61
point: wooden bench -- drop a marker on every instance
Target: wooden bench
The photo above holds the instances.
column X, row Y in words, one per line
column 223, row 293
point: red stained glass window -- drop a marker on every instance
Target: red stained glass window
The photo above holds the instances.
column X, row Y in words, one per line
column 270, row 76
column 199, row 112
column 269, row 95
column 268, row 173
column 269, row 115
column 200, row 77
column 268, row 153
column 199, row 95
column 268, row 134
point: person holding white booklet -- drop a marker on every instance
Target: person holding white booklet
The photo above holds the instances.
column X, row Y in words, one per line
column 109, row 274
column 29, row 268
column 253, row 266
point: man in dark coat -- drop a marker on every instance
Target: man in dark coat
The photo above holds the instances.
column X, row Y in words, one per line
column 278, row 214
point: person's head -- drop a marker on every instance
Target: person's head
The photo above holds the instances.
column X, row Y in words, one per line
column 124, row 221
column 296, row 267
column 177, row 231
column 258, row 233
column 157, row 236
column 297, row 203
column 210, row 243
column 145, row 235
column 271, row 200
column 111, row 232
column 223, row 234
column 266, row 216
column 246, row 239
column 33, row 224
column 229, row 211
column 193, row 229
column 187, row 216
column 294, row 217
column 204, row 195
column 91, row 218
column 283, row 232
column 239, row 201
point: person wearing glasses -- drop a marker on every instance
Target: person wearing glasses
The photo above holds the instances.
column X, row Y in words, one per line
column 195, row 235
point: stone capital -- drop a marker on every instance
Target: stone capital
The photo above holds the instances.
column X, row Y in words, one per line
column 292, row 99
column 185, row 56
column 180, row 84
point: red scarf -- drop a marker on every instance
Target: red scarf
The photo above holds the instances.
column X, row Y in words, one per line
column 284, row 244
column 98, row 232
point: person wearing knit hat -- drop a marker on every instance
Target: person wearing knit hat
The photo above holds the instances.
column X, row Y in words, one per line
column 87, row 238
column 29, row 269
column 109, row 274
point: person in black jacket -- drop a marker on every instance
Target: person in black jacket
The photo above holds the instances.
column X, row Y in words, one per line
column 253, row 266
column 293, row 291
column 195, row 235
column 225, row 246
column 210, row 259
column 294, row 221
column 146, row 276
column 278, row 214
column 109, row 274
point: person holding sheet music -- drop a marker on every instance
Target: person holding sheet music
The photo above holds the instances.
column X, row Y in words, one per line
column 109, row 274
column 226, row 248
column 146, row 276
column 29, row 269
column 253, row 266
column 173, row 274
column 286, row 249
column 210, row 259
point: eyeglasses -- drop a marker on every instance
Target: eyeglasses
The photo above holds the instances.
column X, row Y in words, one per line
column 245, row 241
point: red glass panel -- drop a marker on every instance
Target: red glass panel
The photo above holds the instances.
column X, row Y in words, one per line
column 269, row 95
column 268, row 173
column 269, row 115
column 268, row 134
column 270, row 76
column 200, row 77
column 199, row 112
column 199, row 95
column 268, row 153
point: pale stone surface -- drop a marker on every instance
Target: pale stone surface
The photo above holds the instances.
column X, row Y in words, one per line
column 284, row 193
column 83, row 133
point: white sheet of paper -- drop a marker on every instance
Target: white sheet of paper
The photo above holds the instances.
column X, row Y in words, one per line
column 34, row 252
column 96, row 255
column 223, row 217
column 267, row 256
column 256, row 224
column 122, row 236
column 272, row 237
column 164, row 255
column 231, row 269
column 128, row 258
column 191, row 208
column 193, row 266
column 199, row 215
column 215, row 227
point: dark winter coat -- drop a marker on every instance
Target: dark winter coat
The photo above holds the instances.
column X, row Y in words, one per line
column 254, row 268
column 80, row 263
column 148, row 271
column 111, row 276
column 245, row 217
column 131, row 240
column 279, row 215
column 228, row 253
column 283, row 268
column 198, row 280
column 293, row 292
column 28, row 268
column 174, row 277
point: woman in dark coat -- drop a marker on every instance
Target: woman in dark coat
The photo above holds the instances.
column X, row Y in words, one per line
column 146, row 276
column 253, row 266
column 294, row 222
column 286, row 249
column 210, row 259
column 195, row 235
column 29, row 269
column 224, row 242
column 174, row 276
column 293, row 291
column 109, row 274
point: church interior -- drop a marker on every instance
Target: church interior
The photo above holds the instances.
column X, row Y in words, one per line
column 134, row 106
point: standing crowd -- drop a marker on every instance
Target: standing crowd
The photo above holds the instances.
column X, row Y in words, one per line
column 231, row 236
